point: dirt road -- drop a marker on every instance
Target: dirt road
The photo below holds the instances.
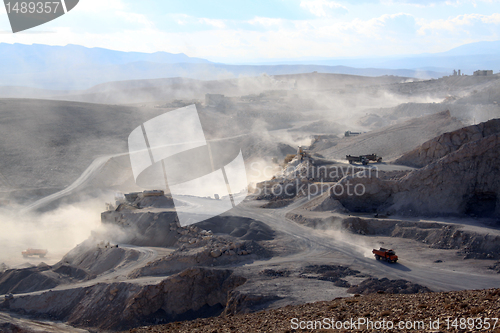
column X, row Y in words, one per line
column 325, row 247
column 30, row 325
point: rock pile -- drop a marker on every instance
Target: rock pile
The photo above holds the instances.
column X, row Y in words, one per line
column 330, row 273
column 230, row 249
column 495, row 267
column 26, row 280
column 324, row 203
column 97, row 257
column 145, row 228
column 216, row 250
column 301, row 178
column 384, row 285
column 190, row 234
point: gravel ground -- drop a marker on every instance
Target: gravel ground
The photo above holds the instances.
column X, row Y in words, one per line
column 406, row 309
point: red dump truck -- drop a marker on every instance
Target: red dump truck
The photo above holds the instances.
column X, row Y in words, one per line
column 34, row 252
column 385, row 254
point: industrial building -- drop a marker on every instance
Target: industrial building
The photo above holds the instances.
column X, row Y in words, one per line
column 483, row 73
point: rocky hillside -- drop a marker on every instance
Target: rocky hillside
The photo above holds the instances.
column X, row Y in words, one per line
column 415, row 309
column 389, row 142
column 467, row 113
column 446, row 143
column 193, row 293
column 85, row 262
column 465, row 181
column 136, row 222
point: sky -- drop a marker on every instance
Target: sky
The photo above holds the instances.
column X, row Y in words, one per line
column 235, row 31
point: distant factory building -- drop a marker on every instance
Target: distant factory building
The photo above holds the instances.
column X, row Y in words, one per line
column 483, row 73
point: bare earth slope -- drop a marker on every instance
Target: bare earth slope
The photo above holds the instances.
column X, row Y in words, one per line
column 393, row 141
column 466, row 181
column 127, row 304
column 446, row 143
column 50, row 143
column 139, row 91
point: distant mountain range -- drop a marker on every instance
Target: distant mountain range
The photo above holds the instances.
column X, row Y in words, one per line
column 74, row 67
column 468, row 58
column 20, row 58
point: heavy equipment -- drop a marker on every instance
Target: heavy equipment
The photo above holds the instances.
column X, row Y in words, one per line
column 385, row 254
column 363, row 159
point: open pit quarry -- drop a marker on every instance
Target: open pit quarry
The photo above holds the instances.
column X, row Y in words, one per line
column 298, row 246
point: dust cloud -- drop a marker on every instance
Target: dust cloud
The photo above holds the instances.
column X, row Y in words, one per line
column 58, row 231
column 350, row 242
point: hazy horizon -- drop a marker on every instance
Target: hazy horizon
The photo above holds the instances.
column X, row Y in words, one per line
column 224, row 31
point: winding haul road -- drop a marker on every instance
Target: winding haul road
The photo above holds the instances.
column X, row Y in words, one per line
column 315, row 244
column 118, row 274
column 317, row 247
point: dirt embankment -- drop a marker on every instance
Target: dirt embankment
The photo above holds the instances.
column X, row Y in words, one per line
column 436, row 235
column 42, row 277
column 254, row 297
column 12, row 323
column 466, row 181
column 215, row 251
column 469, row 244
column 467, row 113
column 392, row 141
column 375, row 307
column 446, row 143
column 84, row 262
column 134, row 223
column 193, row 293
